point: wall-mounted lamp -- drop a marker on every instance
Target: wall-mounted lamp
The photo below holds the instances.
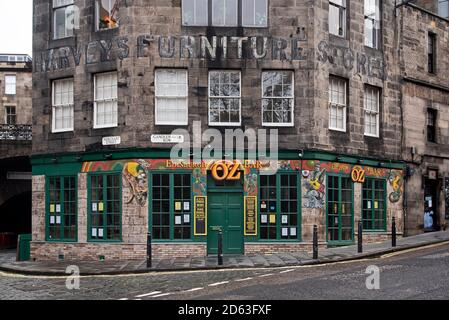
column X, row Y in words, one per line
column 301, row 153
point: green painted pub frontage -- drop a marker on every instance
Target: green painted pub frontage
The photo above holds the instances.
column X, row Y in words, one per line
column 102, row 205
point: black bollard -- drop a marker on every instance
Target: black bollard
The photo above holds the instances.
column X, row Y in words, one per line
column 149, row 250
column 360, row 238
column 220, row 247
column 315, row 242
column 393, row 232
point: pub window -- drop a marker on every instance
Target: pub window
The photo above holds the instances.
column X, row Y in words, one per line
column 374, row 204
column 279, row 207
column 61, row 217
column 62, row 110
column 337, row 17
column 171, row 206
column 225, row 13
column 431, row 52
column 443, row 8
column 195, row 12
column 105, row 217
column 337, row 104
column 431, row 125
column 171, row 97
column 11, row 116
column 63, row 18
column 107, row 14
column 372, row 97
column 105, row 105
column 10, row 84
column 224, row 98
column 372, row 23
column 339, row 208
column 277, row 98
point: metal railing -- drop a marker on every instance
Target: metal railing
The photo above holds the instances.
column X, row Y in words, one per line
column 15, row 132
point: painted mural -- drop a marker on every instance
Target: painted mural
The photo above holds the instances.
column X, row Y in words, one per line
column 135, row 174
column 396, row 182
column 313, row 181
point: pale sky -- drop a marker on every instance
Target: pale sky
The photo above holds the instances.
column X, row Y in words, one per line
column 16, row 26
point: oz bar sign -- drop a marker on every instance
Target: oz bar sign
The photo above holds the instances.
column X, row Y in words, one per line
column 250, row 216
column 167, row 138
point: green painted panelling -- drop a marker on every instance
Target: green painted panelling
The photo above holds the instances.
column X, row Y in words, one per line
column 57, row 169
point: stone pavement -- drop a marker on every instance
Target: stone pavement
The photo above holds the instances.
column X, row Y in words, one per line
column 329, row 255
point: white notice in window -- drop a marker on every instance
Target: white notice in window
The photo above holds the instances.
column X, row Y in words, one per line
column 94, row 232
column 263, row 218
column 58, row 219
column 293, row 232
column 178, row 220
column 284, row 232
column 187, row 218
column 52, row 219
column 58, row 208
column 94, row 207
column 100, row 233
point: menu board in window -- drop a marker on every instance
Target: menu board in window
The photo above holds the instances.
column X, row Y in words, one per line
column 250, row 216
column 200, row 216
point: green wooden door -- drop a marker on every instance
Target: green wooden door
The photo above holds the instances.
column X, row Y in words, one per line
column 225, row 210
column 340, row 211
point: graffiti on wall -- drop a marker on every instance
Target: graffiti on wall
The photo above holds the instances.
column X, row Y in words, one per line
column 396, row 182
column 314, row 175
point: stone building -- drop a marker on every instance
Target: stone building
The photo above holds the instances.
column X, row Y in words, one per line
column 15, row 146
column 423, row 31
column 113, row 79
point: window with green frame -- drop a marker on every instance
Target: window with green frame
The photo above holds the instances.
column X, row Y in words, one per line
column 340, row 199
column 171, row 206
column 105, row 212
column 374, row 204
column 279, row 207
column 61, row 208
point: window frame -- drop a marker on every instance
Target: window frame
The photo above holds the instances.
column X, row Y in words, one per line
column 9, row 114
column 373, row 198
column 47, row 208
column 279, row 213
column 104, row 174
column 342, row 17
column 367, row 111
column 53, row 106
column 209, row 97
column 432, row 57
column 9, row 85
column 54, row 9
column 339, row 188
column 376, row 33
column 97, row 18
column 110, row 125
column 210, row 9
column 292, row 98
column 156, row 97
column 433, row 127
column 337, row 105
column 171, row 200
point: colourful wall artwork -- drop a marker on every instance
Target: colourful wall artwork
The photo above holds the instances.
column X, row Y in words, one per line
column 396, row 182
column 313, row 182
column 135, row 173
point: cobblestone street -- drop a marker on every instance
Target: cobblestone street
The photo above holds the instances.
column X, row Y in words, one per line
column 416, row 273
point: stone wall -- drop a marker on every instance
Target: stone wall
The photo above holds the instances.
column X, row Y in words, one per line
column 287, row 19
column 422, row 91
